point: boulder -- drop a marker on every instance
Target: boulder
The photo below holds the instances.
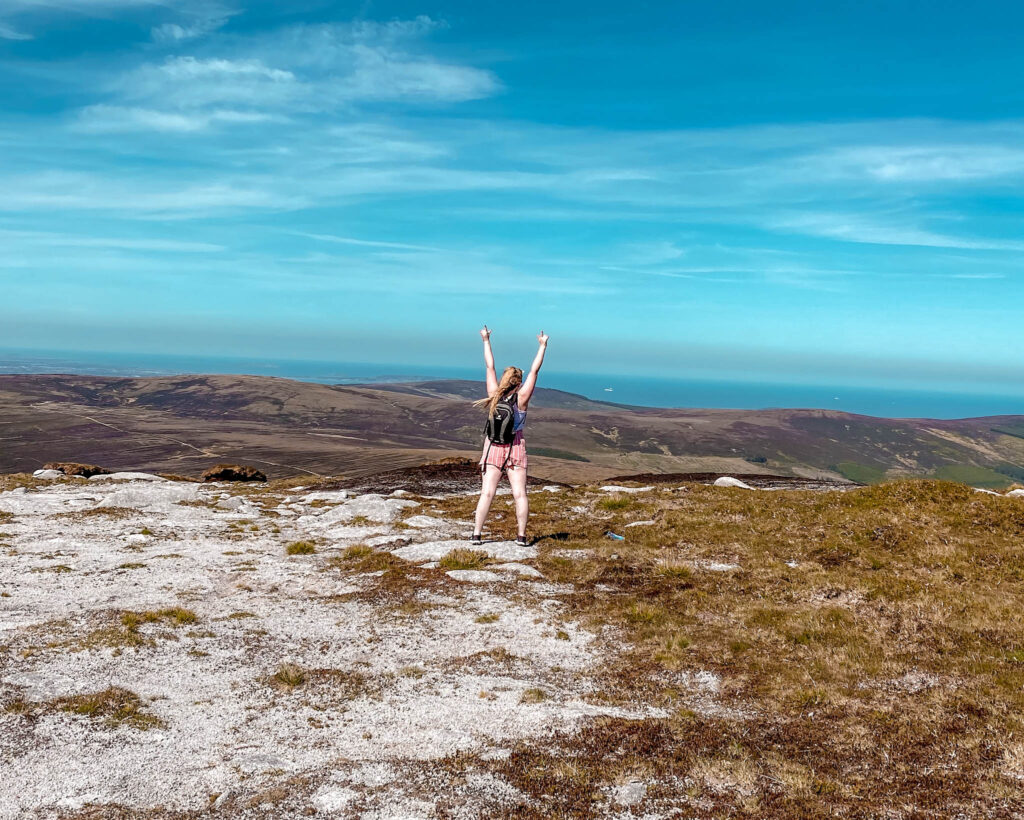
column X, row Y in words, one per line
column 729, row 481
column 233, row 472
column 74, row 468
column 47, row 475
column 1015, row 493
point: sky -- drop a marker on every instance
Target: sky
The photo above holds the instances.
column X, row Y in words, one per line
column 791, row 191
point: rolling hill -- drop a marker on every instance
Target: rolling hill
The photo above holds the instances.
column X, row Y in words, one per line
column 182, row 424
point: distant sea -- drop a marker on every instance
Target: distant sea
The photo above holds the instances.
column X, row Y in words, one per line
column 637, row 390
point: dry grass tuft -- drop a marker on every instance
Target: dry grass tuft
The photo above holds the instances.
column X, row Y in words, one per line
column 114, row 706
column 288, row 676
column 99, row 512
column 464, row 559
column 300, row 548
column 334, row 684
column 615, row 503
column 126, row 630
column 533, row 695
column 362, row 558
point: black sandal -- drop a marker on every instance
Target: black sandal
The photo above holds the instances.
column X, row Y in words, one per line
column 475, row 538
column 522, row 541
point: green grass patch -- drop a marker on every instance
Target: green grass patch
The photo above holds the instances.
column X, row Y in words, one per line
column 973, row 476
column 861, row 473
column 1015, row 430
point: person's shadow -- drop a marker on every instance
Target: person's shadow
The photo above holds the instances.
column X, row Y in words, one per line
column 554, row 536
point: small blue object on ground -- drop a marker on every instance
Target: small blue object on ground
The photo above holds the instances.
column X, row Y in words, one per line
column 614, row 536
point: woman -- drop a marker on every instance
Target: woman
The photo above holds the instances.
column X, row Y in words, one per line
column 498, row 458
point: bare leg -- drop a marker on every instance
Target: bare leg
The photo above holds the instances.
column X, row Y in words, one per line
column 490, row 484
column 517, row 478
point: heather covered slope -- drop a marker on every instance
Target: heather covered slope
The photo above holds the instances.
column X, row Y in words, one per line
column 175, row 650
column 183, row 424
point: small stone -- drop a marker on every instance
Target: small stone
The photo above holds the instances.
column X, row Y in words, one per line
column 331, row 800
column 473, row 576
column 629, row 794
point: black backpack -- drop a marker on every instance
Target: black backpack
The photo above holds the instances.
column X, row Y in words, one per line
column 501, row 423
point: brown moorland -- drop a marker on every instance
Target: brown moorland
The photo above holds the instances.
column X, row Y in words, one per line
column 183, row 425
column 868, row 644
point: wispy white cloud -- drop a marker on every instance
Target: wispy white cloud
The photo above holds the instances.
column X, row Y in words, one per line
column 368, row 243
column 204, row 19
column 298, row 70
column 919, row 163
column 63, row 240
column 8, row 32
column 862, row 228
column 190, row 19
column 164, row 197
column 381, row 75
column 117, row 119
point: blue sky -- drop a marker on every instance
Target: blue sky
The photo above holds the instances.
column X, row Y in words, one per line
column 795, row 191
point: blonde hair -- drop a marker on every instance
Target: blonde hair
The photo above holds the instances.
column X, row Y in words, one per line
column 511, row 379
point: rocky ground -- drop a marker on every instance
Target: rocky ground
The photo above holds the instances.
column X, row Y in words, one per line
column 703, row 649
column 256, row 677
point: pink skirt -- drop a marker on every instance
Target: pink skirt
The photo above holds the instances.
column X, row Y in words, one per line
column 504, row 456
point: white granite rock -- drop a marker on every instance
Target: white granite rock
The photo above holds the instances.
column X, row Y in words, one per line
column 473, row 576
column 729, row 481
column 128, row 477
column 522, row 569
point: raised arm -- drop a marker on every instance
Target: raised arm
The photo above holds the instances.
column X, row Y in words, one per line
column 530, row 382
column 492, row 378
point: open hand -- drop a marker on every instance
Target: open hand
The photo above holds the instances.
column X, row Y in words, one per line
column 542, row 338
column 485, row 334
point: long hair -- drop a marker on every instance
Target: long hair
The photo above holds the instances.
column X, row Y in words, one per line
column 511, row 379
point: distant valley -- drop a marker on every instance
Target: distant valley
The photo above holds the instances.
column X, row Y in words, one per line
column 183, row 424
